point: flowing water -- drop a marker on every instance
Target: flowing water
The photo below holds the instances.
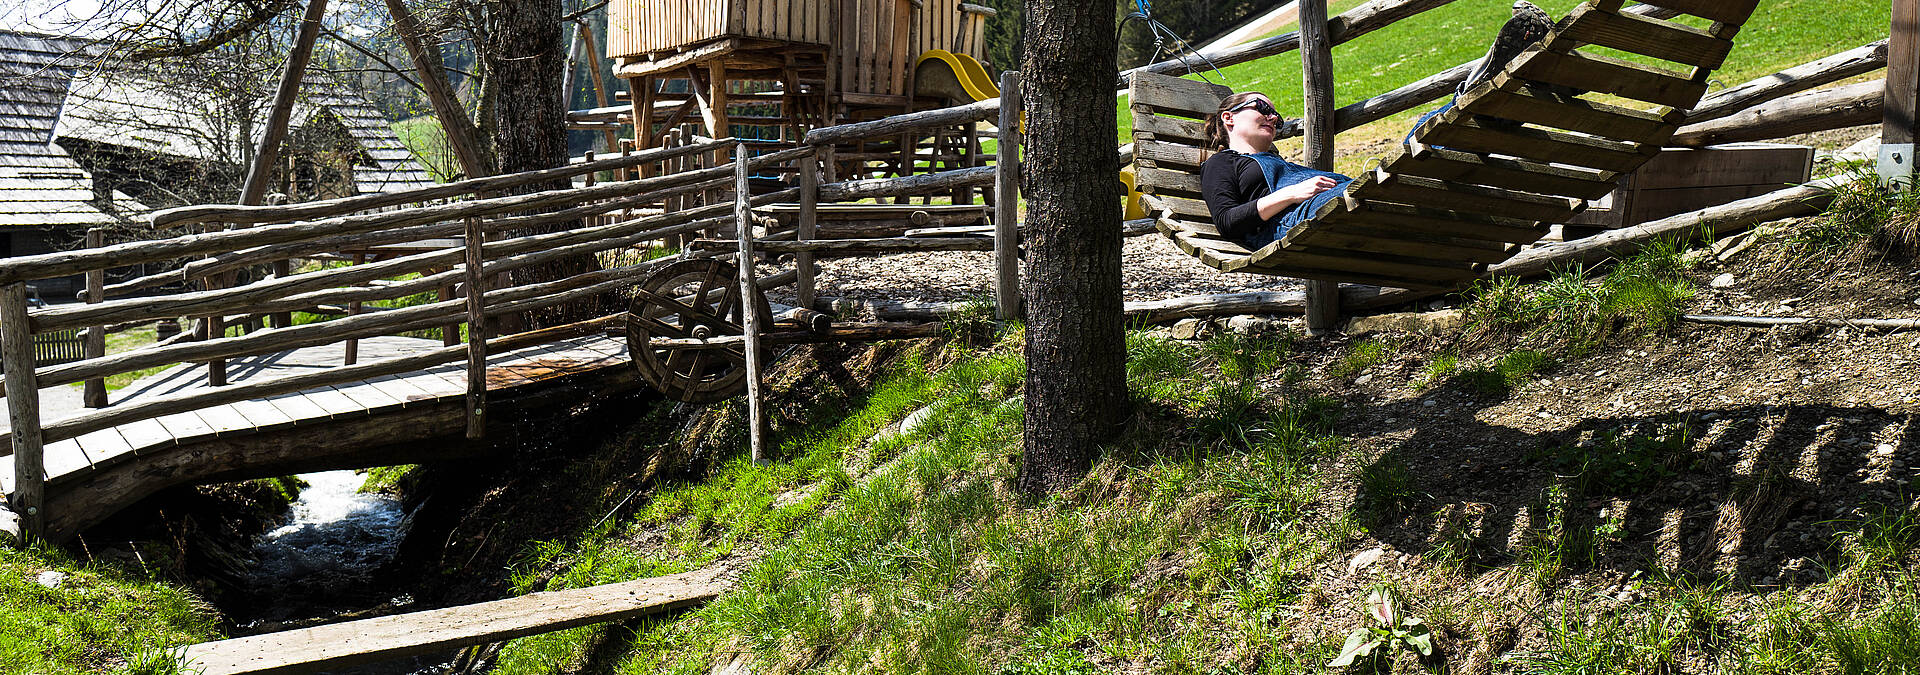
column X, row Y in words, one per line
column 328, row 555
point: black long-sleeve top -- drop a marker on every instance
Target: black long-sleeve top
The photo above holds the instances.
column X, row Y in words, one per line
column 1232, row 183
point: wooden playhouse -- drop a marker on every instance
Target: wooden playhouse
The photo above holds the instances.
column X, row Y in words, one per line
column 771, row 69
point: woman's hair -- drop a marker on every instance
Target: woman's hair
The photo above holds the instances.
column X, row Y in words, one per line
column 1217, row 130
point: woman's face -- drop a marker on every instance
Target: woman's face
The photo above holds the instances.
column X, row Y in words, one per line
column 1254, row 121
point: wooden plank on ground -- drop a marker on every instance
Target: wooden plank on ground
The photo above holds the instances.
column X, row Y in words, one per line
column 390, row 637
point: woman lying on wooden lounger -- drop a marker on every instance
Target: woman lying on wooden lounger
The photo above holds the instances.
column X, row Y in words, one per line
column 1255, row 195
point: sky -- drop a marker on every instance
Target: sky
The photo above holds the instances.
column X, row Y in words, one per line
column 59, row 17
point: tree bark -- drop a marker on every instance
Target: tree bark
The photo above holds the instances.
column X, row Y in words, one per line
column 1076, row 393
column 525, row 58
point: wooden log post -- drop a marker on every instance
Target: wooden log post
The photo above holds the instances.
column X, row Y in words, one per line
column 1316, row 64
column 427, row 63
column 749, row 305
column 95, row 395
column 1006, row 205
column 23, row 410
column 1902, row 103
column 352, row 347
column 804, row 230
column 265, row 156
column 476, row 332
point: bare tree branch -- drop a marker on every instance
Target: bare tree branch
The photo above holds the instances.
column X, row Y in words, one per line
column 259, row 14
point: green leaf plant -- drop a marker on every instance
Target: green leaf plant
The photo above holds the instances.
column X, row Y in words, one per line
column 1384, row 629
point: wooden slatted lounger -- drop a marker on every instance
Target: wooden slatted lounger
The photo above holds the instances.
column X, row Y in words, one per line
column 1462, row 195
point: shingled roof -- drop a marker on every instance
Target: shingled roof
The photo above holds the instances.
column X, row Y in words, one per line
column 49, row 92
column 40, row 184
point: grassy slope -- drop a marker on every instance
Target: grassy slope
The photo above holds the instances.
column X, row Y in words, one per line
column 1780, row 35
column 1216, row 535
column 99, row 618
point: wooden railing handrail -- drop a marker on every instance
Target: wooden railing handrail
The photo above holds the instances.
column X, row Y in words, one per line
column 230, row 213
column 64, row 263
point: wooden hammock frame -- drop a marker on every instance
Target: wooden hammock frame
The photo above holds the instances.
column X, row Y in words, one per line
column 1462, row 194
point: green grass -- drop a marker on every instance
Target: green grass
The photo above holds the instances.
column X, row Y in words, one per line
column 1778, row 36
column 423, row 136
column 1574, row 311
column 100, row 618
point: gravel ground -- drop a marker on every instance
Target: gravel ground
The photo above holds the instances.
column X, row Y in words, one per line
column 1151, row 269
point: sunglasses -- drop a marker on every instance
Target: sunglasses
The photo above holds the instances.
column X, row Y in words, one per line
column 1259, row 105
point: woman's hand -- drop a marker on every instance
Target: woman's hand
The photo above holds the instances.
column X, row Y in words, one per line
column 1284, row 198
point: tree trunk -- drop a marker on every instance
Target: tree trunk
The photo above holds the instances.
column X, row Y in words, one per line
column 525, row 57
column 1076, row 353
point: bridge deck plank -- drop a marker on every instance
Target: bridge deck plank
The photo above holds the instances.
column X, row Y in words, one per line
column 434, row 384
column 65, row 458
column 186, row 427
column 368, row 396
column 408, row 393
column 225, row 420
column 298, row 408
column 105, row 446
column 263, row 415
column 451, row 376
column 146, row 436
column 335, row 403
column 389, row 637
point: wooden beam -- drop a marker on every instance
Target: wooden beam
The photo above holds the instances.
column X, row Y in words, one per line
column 96, row 388
column 805, row 229
column 476, row 331
column 432, row 73
column 437, row 631
column 1316, row 63
column 1856, row 61
column 23, row 410
column 749, row 305
column 1006, row 205
column 1836, row 108
column 1896, row 162
column 264, row 156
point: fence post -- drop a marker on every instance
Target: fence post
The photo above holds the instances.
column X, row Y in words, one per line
column 23, row 410
column 1316, row 63
column 803, row 231
column 1902, row 99
column 1006, row 204
column 749, row 305
column 95, row 395
column 476, row 333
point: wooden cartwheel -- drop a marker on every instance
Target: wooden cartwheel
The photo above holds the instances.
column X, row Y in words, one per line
column 695, row 299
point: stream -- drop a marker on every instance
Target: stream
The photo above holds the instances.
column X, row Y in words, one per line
column 326, row 559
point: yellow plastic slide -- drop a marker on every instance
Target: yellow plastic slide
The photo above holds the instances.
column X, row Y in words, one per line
column 961, row 78
column 958, row 77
